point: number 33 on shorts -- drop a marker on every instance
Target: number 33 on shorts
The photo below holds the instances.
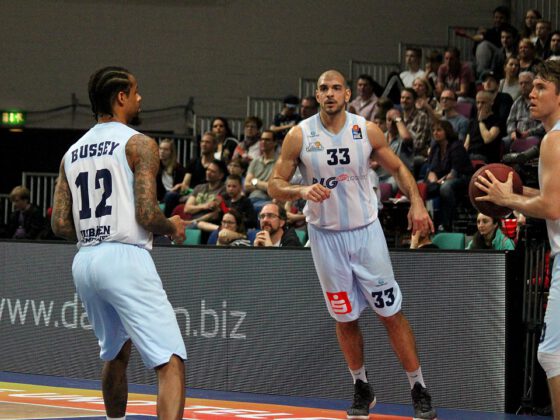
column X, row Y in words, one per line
column 383, row 298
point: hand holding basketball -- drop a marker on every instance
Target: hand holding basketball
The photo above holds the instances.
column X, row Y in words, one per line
column 491, row 185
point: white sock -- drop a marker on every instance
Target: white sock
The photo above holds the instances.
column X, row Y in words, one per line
column 116, row 418
column 359, row 374
column 416, row 376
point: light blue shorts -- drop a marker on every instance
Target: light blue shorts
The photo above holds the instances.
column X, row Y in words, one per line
column 355, row 271
column 550, row 337
column 124, row 298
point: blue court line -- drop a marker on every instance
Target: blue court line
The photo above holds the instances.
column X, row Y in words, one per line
column 323, row 403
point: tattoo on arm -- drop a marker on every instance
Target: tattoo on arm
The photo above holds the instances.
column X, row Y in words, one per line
column 145, row 158
column 62, row 222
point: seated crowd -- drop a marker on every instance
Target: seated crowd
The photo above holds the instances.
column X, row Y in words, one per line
column 448, row 119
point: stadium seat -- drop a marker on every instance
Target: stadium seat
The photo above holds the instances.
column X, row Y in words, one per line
column 302, row 236
column 213, row 238
column 449, row 240
column 192, row 237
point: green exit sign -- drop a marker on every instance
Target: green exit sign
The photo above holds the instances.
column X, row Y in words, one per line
column 13, row 118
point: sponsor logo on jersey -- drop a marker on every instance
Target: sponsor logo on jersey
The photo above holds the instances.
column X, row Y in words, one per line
column 333, row 181
column 339, row 302
column 313, row 134
column 356, row 132
column 315, row 146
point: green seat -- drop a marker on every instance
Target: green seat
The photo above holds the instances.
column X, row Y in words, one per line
column 449, row 240
column 302, row 235
column 192, row 237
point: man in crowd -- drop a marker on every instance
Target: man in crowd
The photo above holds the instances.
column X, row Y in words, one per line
column 259, row 171
column 272, row 220
column 366, row 100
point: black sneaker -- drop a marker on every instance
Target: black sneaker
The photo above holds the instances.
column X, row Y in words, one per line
column 422, row 402
column 364, row 399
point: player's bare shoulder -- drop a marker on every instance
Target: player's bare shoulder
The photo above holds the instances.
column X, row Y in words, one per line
column 292, row 144
column 375, row 135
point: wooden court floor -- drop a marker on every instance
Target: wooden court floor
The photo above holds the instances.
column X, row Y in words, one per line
column 38, row 397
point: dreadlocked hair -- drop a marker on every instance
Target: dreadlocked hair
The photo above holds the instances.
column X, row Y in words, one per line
column 103, row 87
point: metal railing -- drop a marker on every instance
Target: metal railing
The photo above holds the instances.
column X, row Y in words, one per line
column 185, row 145
column 5, row 208
column 425, row 48
column 264, row 108
column 41, row 188
column 379, row 71
column 465, row 45
column 307, row 87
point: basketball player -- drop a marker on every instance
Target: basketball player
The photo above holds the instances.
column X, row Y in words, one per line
column 543, row 204
column 105, row 199
column 348, row 246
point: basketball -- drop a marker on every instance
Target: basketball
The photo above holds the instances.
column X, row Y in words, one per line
column 501, row 172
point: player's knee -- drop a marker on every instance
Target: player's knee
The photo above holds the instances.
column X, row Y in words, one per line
column 550, row 363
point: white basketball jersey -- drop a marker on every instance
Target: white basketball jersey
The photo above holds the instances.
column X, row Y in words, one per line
column 552, row 226
column 101, row 183
column 340, row 162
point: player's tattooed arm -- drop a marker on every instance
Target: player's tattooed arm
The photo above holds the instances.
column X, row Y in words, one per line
column 142, row 154
column 62, row 222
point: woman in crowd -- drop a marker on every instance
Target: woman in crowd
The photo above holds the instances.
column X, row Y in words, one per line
column 231, row 232
column 171, row 180
column 530, row 24
column 449, row 171
column 425, row 99
column 510, row 83
column 489, row 235
column 226, row 142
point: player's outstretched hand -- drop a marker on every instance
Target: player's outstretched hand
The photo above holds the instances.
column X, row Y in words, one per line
column 316, row 193
column 180, row 225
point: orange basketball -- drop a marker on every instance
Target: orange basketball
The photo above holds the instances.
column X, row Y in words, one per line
column 501, row 172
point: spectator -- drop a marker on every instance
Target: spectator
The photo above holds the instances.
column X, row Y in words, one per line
column 483, row 140
column 260, row 169
column 554, row 50
column 308, row 107
column 508, row 40
column 530, row 24
column 412, row 59
column 456, row 75
column 542, row 42
column 286, row 118
column 27, row 220
column 527, row 56
column 418, row 124
column 448, row 104
column 400, row 142
column 510, row 83
column 196, row 168
column 364, row 104
column 425, row 100
column 203, row 202
column 234, row 198
column 230, row 232
column 422, row 240
column 249, row 148
column 489, row 235
column 226, row 142
column 272, row 220
column 449, row 171
column 294, row 214
column 520, row 124
column 489, row 40
column 501, row 102
column 172, row 179
column 433, row 62
column 238, row 166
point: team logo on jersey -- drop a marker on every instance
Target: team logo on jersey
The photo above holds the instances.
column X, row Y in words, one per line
column 356, row 132
column 339, row 302
column 313, row 134
column 315, row 146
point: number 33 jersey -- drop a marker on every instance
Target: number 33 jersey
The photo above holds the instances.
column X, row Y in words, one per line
column 339, row 162
column 102, row 186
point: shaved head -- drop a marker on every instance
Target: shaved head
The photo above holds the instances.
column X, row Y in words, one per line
column 332, row 74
